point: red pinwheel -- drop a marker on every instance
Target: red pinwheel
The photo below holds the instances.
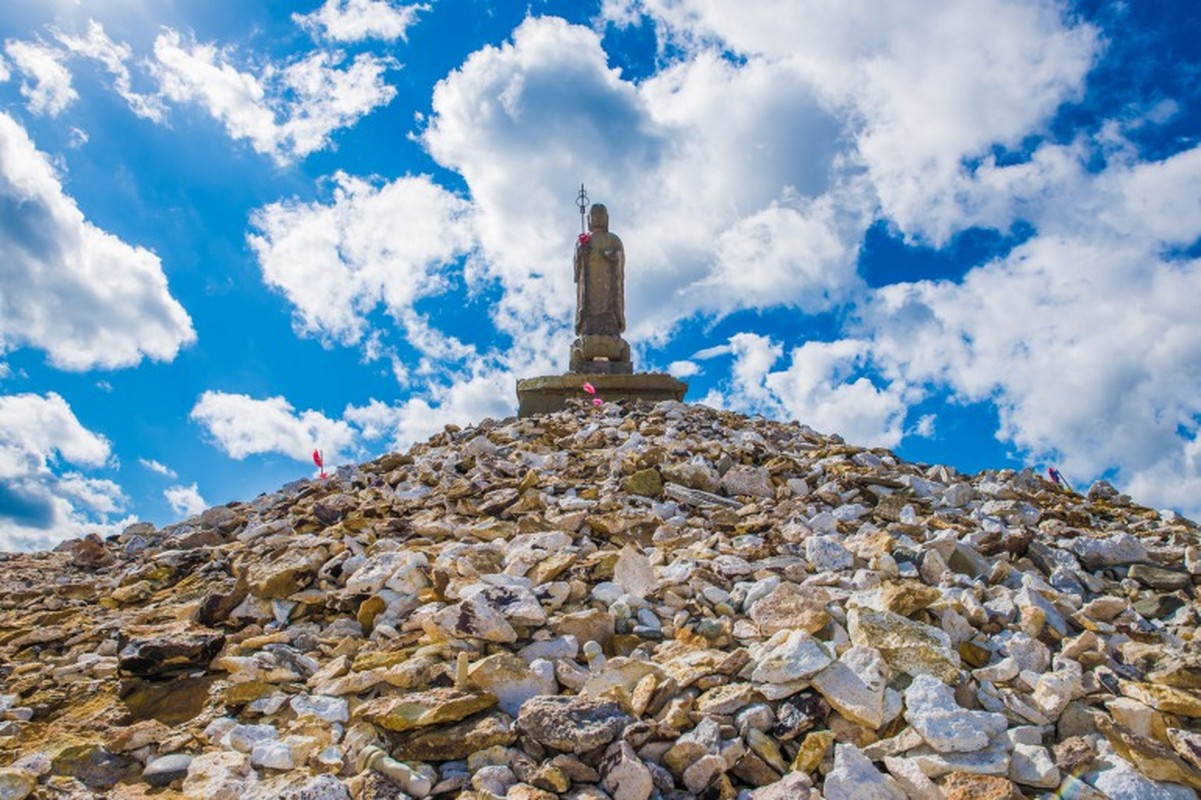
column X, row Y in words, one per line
column 319, row 462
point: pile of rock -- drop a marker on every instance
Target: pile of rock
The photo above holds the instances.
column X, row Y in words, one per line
column 652, row 602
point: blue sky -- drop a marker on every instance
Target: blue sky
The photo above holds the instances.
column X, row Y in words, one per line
column 966, row 230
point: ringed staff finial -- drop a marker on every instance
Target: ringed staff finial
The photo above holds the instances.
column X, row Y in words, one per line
column 581, row 202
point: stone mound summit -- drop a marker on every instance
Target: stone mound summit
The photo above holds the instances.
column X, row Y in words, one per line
column 629, row 602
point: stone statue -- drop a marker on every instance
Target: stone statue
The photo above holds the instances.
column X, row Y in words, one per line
column 600, row 316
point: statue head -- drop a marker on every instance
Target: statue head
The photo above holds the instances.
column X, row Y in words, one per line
column 598, row 218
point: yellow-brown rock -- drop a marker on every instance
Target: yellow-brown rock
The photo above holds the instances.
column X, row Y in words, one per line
column 421, row 709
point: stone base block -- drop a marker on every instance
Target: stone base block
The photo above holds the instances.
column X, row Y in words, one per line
column 598, row 354
column 549, row 393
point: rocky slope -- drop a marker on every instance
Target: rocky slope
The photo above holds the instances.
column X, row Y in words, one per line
column 629, row 603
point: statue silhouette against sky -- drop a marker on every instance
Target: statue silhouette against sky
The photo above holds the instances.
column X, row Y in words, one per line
column 600, row 316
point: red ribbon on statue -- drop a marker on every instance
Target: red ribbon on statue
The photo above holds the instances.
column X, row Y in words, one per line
column 319, row 462
column 584, row 238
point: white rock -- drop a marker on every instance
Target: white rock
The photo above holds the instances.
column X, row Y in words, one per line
column 323, row 787
column 217, row 729
column 633, row 572
column 1032, row 765
column 856, row 778
column 495, row 778
column 825, row 522
column 846, row 692
column 989, row 761
column 911, row 779
column 827, row 554
column 369, row 578
column 327, row 709
column 217, row 775
column 1003, row 671
column 273, row 755
column 791, row 656
column 625, row 776
column 748, row 480
column 1054, row 690
column 475, row 618
column 948, row 728
column 560, row 647
column 1116, row 777
column 243, row 738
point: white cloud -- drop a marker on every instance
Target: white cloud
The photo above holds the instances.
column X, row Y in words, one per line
column 526, row 121
column 185, row 500
column 684, row 369
column 156, row 466
column 47, row 87
column 97, row 45
column 824, row 385
column 242, row 426
column 389, row 244
column 37, row 431
column 284, row 111
column 79, row 293
column 38, row 506
column 824, row 388
column 919, row 90
column 924, row 427
column 1086, row 337
column 465, row 402
column 357, row 20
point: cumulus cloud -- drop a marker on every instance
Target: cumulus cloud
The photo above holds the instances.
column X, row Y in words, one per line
column 684, row 368
column 97, row 45
column 39, row 506
column 71, row 289
column 825, row 385
column 373, row 244
column 156, row 466
column 242, row 426
column 185, row 500
column 526, row 121
column 357, row 20
column 917, row 92
column 283, row 111
column 47, row 85
column 1086, row 337
column 416, row 419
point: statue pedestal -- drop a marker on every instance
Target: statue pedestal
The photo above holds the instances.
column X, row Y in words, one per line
column 549, row 393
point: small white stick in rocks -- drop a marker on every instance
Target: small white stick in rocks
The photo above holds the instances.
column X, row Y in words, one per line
column 462, row 662
column 408, row 779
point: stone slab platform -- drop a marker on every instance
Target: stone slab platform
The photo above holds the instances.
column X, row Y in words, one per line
column 549, row 393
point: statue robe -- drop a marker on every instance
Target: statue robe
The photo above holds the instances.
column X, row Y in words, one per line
column 600, row 285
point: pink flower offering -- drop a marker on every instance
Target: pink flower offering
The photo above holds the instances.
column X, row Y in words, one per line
column 589, row 388
column 596, row 401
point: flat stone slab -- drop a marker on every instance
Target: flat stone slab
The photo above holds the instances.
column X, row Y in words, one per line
column 549, row 393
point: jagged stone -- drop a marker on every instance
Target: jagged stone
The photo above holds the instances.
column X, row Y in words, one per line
column 571, row 724
column 420, row 709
